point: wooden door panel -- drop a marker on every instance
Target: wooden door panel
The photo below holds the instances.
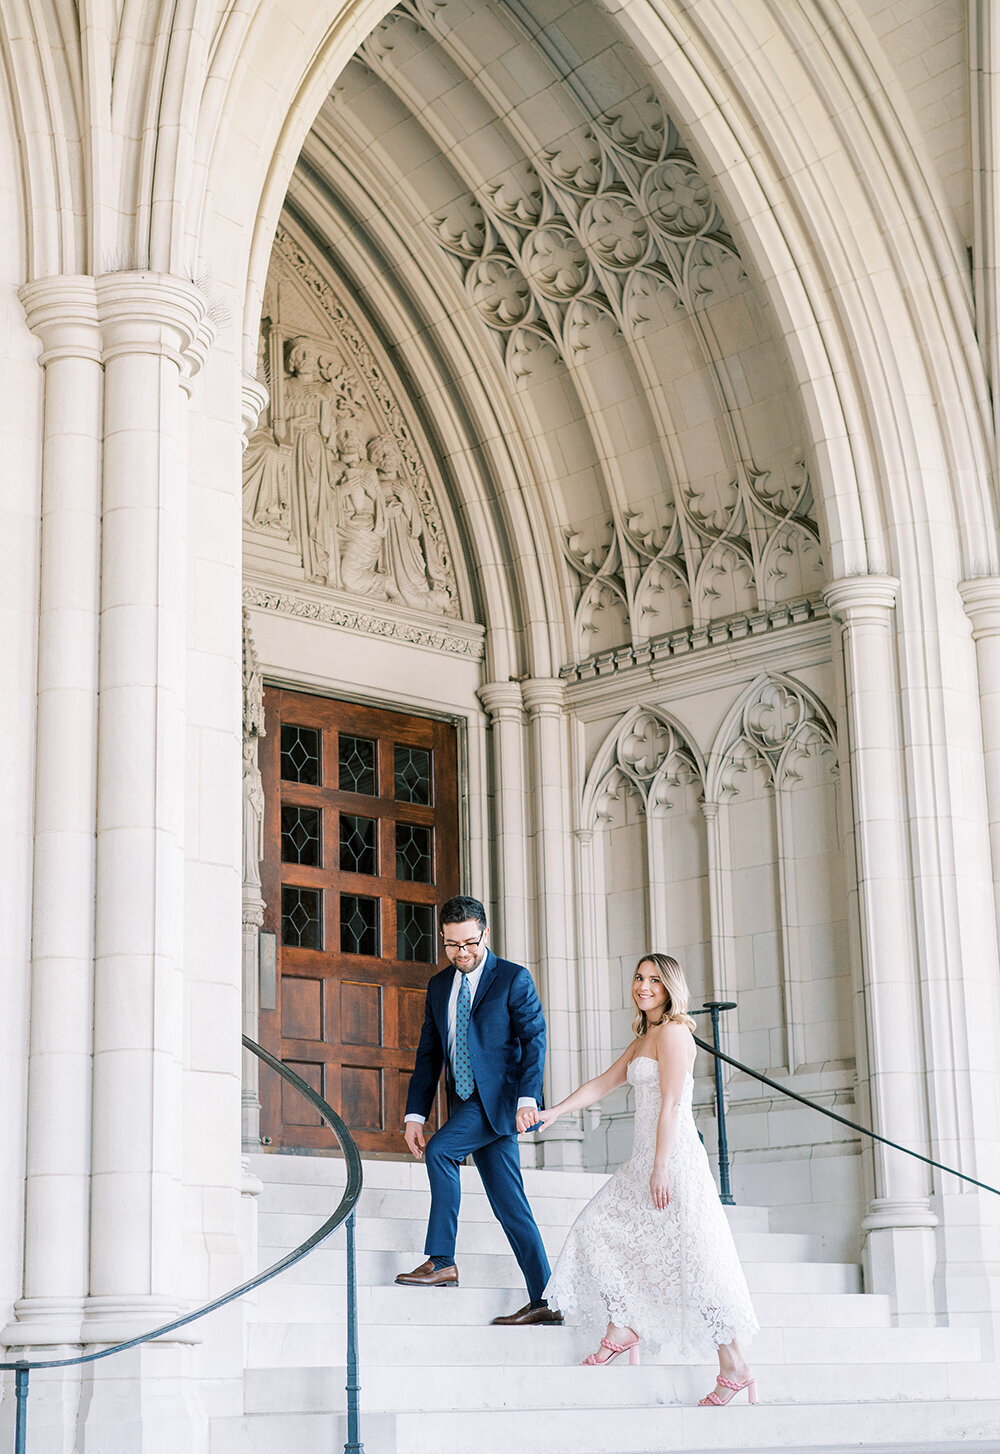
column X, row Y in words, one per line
column 361, row 849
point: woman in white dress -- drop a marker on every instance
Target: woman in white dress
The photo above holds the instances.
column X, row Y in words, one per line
column 652, row 1252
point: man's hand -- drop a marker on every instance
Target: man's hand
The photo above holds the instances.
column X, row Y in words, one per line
column 527, row 1117
column 413, row 1135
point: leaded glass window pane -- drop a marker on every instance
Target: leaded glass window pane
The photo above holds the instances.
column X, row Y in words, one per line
column 301, row 917
column 301, row 835
column 415, row 933
column 359, row 926
column 301, row 754
column 414, row 861
column 358, row 844
column 357, row 765
column 413, row 775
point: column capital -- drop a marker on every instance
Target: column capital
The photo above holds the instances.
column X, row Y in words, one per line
column 502, row 700
column 981, row 599
column 853, row 599
column 709, row 811
column 541, row 693
column 154, row 313
column 61, row 311
column 253, row 401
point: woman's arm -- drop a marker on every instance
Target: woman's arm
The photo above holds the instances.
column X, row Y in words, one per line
column 588, row 1093
column 673, row 1056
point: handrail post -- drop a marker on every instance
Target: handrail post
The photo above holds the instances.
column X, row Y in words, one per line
column 354, row 1444
column 715, row 1008
column 21, row 1373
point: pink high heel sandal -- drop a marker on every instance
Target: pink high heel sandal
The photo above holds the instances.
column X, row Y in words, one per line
column 715, row 1399
column 592, row 1360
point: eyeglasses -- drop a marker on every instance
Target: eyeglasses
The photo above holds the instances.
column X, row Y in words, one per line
column 465, row 943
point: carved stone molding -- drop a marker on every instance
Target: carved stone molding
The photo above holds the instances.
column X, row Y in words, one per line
column 682, row 643
column 455, row 638
column 853, row 600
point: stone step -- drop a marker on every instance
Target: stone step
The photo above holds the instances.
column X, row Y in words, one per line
column 500, row 1350
column 326, row 1267
column 279, row 1301
column 408, row 1390
column 396, row 1234
column 318, row 1200
column 916, row 1427
column 276, row 1167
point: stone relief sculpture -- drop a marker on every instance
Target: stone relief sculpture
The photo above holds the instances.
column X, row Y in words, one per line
column 325, row 474
column 410, row 562
column 310, row 428
column 362, row 512
column 253, row 787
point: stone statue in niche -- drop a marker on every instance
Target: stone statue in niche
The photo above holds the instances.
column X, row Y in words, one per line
column 253, row 814
column 253, row 787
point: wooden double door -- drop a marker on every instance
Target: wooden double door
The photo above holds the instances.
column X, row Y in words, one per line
column 361, row 849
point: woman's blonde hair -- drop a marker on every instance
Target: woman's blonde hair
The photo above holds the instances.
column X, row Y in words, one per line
column 673, row 981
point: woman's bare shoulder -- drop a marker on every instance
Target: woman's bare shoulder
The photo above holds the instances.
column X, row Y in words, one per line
column 673, row 1038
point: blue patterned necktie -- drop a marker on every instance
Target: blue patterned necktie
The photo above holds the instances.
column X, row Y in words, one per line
column 465, row 1081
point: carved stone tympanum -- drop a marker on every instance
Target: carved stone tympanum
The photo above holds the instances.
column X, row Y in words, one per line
column 333, row 486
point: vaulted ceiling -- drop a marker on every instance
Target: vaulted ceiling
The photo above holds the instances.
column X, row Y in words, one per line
column 501, row 194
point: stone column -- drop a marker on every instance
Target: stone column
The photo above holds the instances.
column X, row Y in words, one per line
column 154, row 331
column 545, row 701
column 720, row 915
column 981, row 599
column 900, row 1248
column 502, row 701
column 62, row 311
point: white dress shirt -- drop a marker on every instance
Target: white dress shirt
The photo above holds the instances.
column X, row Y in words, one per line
column 473, row 976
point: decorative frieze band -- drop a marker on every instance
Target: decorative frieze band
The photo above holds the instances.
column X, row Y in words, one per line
column 456, row 639
column 694, row 638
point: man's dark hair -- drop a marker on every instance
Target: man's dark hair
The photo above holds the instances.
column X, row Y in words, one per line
column 461, row 908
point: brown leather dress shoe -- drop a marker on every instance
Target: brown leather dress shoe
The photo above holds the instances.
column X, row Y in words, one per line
column 427, row 1275
column 526, row 1316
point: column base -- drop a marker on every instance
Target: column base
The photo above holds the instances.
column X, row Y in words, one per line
column 54, row 1396
column 900, row 1257
column 144, row 1401
column 562, row 1151
column 45, row 1322
column 117, row 1319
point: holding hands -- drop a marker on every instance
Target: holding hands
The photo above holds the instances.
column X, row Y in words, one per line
column 529, row 1118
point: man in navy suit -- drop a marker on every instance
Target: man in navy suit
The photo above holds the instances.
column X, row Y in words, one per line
column 483, row 1025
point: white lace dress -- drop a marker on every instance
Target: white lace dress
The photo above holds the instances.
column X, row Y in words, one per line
column 672, row 1275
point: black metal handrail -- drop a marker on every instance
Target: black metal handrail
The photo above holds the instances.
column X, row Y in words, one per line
column 813, row 1105
column 344, row 1212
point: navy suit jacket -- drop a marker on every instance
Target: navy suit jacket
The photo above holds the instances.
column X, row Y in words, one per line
column 506, row 1043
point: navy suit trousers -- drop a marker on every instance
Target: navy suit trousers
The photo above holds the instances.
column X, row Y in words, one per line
column 467, row 1132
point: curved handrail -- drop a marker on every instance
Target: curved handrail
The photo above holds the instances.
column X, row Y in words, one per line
column 833, row 1116
column 346, row 1205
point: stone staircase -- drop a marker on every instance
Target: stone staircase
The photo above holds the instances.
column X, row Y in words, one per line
column 834, row 1375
